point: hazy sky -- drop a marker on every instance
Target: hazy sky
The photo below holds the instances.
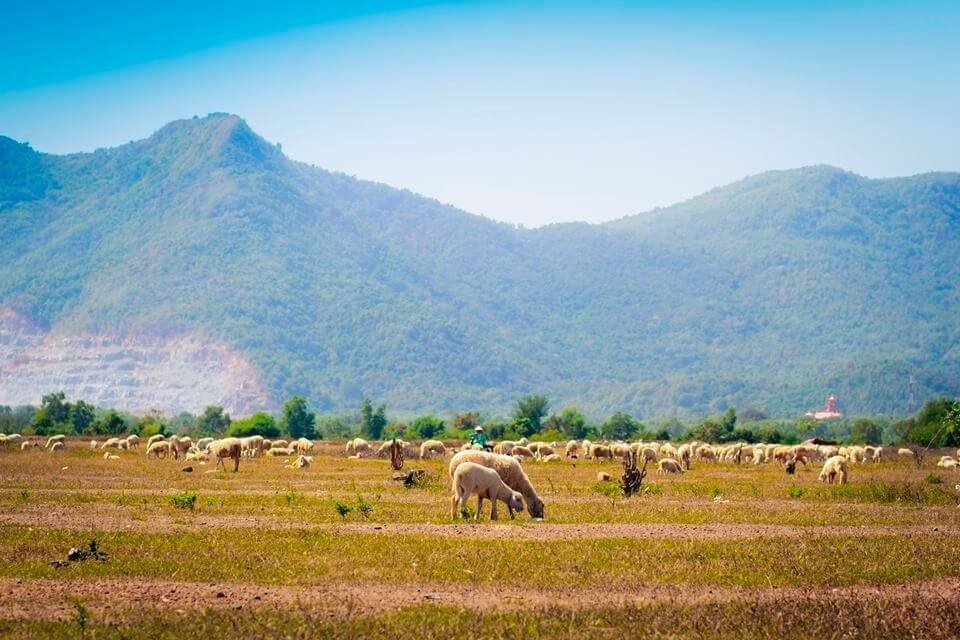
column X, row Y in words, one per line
column 524, row 112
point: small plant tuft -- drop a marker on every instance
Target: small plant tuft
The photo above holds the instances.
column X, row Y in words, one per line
column 343, row 509
column 934, row 479
column 796, row 492
column 184, row 500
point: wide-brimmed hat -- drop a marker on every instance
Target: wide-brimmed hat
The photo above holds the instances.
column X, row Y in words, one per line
column 478, row 428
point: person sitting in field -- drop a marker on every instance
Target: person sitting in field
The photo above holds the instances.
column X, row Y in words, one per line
column 479, row 437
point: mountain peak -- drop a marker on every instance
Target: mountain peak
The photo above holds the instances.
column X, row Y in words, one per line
column 221, row 138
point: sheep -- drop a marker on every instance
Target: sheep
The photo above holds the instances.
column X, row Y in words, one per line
column 93, row 444
column 12, row 439
column 154, row 438
column 758, row 455
column 302, row 445
column 158, row 449
column 252, row 446
column 603, row 476
column 706, row 452
column 471, row 478
column 585, row 448
column 684, row 454
column 226, row 448
column 947, row 462
column 553, row 457
column 286, row 452
column 302, row 462
column 133, row 441
column 195, row 455
column 27, row 444
column 54, row 439
column 111, row 443
column 432, row 448
column 510, row 472
column 520, row 451
column 648, row 454
column 600, row 452
column 669, row 465
column 282, row 444
column 504, row 447
column 203, row 443
column 545, row 451
column 110, row 456
column 877, row 454
column 835, row 468
column 570, row 451
column 179, row 446
column 906, row 453
column 57, row 446
column 358, row 447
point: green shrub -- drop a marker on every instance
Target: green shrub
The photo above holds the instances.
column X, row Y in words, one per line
column 184, row 500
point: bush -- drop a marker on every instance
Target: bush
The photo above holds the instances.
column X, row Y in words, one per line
column 259, row 424
column 425, row 428
column 184, row 500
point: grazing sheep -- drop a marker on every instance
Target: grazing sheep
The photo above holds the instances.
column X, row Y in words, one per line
column 27, row 444
column 154, row 438
column 276, row 452
column 57, row 446
column 510, row 472
column 110, row 456
column 835, row 468
column 133, row 441
column 620, row 450
column 179, row 446
column 432, row 449
column 226, row 448
column 570, row 451
column 203, row 443
column 93, row 444
column 600, row 452
column 669, row 465
column 158, row 449
column 877, row 454
column 545, row 451
column 53, row 440
column 947, row 462
column 906, row 453
column 520, row 451
column 706, row 452
column 504, row 447
column 471, row 478
column 648, row 454
column 585, row 448
column 602, row 476
column 356, row 447
column 282, row 444
column 111, row 443
column 553, row 457
column 303, row 445
column 252, row 446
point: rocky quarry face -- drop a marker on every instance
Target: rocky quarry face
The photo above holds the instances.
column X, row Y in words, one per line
column 133, row 373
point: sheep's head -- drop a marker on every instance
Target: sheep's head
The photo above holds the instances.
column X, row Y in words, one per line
column 535, row 507
column 515, row 503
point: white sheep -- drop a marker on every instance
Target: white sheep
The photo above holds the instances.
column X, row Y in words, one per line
column 835, row 468
column 947, row 462
column 93, row 444
column 669, row 465
column 53, row 440
column 57, row 446
column 684, row 455
column 602, row 476
column 600, row 452
column 906, row 453
column 158, row 449
column 553, row 457
column 275, row 452
column 27, row 444
column 470, row 478
column 133, row 441
column 110, row 456
column 203, row 443
column 226, row 448
column 510, row 472
column 571, row 449
column 432, row 448
column 302, row 462
column 154, row 438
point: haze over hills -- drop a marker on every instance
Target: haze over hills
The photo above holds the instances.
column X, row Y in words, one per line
column 201, row 265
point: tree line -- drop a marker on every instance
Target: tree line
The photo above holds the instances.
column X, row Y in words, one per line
column 937, row 423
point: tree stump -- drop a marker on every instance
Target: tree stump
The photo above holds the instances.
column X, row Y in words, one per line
column 396, row 455
column 632, row 478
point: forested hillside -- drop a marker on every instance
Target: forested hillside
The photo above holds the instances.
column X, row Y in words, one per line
column 769, row 292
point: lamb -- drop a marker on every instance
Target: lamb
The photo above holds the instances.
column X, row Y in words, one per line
column 432, row 448
column 471, row 478
column 907, row 453
column 510, row 472
column 54, row 439
column 947, row 462
column 835, row 468
column 226, row 448
column 669, row 465
column 553, row 457
column 600, row 452
column 57, row 446
column 158, row 449
column 603, row 476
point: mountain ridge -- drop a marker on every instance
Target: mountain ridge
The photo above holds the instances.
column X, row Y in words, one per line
column 340, row 288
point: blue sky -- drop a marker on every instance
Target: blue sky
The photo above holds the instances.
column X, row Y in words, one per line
column 524, row 112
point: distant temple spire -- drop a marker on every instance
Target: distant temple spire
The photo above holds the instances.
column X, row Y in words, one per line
column 830, row 410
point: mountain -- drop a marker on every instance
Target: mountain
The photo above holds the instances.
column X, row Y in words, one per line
column 201, row 265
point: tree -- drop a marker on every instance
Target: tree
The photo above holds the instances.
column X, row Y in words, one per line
column 619, row 426
column 936, row 424
column 372, row 422
column 466, row 421
column 81, row 416
column 213, row 420
column 533, row 408
column 866, row 431
column 708, row 431
column 297, row 420
column 571, row 422
column 426, row 427
column 729, row 421
column 110, row 424
column 53, row 415
column 259, row 424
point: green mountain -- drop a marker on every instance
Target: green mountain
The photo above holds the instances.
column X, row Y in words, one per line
column 770, row 292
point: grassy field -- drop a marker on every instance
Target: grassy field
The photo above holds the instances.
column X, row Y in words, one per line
column 721, row 551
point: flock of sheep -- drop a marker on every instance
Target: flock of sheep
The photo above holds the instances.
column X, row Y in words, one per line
column 498, row 475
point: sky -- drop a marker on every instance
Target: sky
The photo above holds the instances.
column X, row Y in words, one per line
column 529, row 113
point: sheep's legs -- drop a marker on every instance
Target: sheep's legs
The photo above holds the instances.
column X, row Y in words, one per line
column 493, row 509
column 479, row 507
